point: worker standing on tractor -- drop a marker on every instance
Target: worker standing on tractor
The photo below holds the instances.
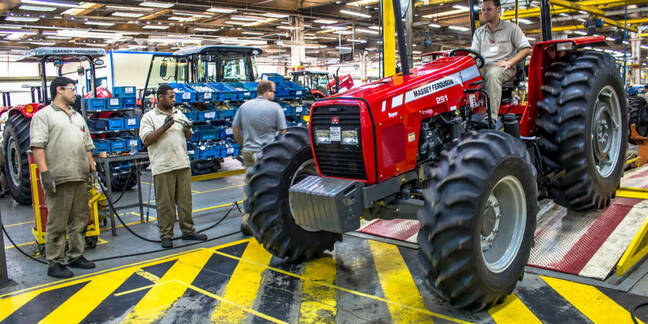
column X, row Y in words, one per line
column 62, row 148
column 256, row 123
column 165, row 132
column 497, row 42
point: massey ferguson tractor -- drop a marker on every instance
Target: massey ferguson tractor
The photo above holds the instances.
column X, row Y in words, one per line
column 420, row 145
column 319, row 84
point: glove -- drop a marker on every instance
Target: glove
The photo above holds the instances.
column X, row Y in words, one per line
column 187, row 125
column 168, row 122
column 48, row 181
column 93, row 178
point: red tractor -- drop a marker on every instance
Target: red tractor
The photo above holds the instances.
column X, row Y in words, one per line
column 411, row 146
column 319, row 84
column 15, row 119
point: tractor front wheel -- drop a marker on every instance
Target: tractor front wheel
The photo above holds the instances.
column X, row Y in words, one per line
column 15, row 146
column 478, row 220
column 284, row 162
column 638, row 115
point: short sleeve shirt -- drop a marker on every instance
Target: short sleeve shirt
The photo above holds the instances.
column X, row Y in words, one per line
column 501, row 44
column 169, row 153
column 66, row 140
column 259, row 119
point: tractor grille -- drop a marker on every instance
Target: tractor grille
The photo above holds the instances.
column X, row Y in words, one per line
column 336, row 159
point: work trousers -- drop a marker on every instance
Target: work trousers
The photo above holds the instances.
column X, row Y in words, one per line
column 67, row 214
column 249, row 160
column 493, row 77
column 173, row 189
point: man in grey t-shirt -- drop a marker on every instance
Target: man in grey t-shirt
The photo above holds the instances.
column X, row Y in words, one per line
column 503, row 45
column 256, row 124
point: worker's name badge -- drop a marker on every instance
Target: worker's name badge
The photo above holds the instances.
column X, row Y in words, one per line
column 493, row 49
column 335, row 134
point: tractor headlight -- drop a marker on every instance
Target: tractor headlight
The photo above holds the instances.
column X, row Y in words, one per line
column 350, row 137
column 322, row 136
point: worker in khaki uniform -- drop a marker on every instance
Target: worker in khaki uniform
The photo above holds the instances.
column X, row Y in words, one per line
column 165, row 131
column 503, row 45
column 256, row 124
column 62, row 148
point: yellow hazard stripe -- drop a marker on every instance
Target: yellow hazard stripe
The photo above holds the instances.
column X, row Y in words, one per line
column 512, row 310
column 154, row 305
column 84, row 301
column 397, row 283
column 590, row 301
column 243, row 286
column 11, row 304
column 318, row 302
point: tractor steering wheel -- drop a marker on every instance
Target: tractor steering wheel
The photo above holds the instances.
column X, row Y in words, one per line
column 479, row 60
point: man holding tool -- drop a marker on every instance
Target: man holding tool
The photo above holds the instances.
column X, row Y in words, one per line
column 62, row 148
column 165, row 131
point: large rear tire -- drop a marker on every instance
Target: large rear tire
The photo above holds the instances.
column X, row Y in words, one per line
column 282, row 163
column 638, row 115
column 478, row 220
column 583, row 127
column 15, row 146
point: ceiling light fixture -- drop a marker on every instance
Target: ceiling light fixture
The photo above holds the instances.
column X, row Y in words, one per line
column 159, row 27
column 275, row 15
column 99, row 23
column 181, row 13
column 353, row 13
column 525, row 21
column 580, row 32
column 259, row 23
column 36, row 8
column 245, row 18
column 51, row 3
column 154, row 4
column 325, row 21
column 251, row 33
column 435, row 25
column 362, row 3
column 127, row 14
column 22, row 19
column 459, row 28
column 235, row 22
column 367, row 31
column 458, row 10
column 287, row 27
column 221, row 10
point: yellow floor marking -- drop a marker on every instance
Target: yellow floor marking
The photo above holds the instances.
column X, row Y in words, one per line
column 151, row 218
column 17, row 224
column 215, row 207
column 590, row 301
column 357, row 293
column 10, row 305
column 243, row 285
column 397, row 283
column 512, row 310
column 154, row 305
column 220, row 189
column 318, row 302
column 84, row 301
column 20, row 245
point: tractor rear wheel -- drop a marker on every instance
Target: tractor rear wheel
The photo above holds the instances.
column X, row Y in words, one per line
column 284, row 162
column 583, row 129
column 638, row 115
column 15, row 146
column 478, row 220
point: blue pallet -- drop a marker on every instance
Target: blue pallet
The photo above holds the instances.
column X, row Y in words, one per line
column 223, row 91
column 124, row 92
column 101, row 145
column 183, row 93
column 113, row 103
column 130, row 102
column 115, row 124
column 131, row 123
column 93, row 104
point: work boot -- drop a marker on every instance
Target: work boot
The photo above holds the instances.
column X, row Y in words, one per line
column 194, row 236
column 81, row 262
column 58, row 270
column 167, row 243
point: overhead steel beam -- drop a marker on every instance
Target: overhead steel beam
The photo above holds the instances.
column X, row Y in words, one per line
column 600, row 4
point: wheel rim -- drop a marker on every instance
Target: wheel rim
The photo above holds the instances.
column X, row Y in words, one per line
column 308, row 168
column 13, row 162
column 503, row 224
column 606, row 131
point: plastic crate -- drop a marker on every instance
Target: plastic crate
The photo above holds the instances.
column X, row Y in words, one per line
column 204, row 93
column 274, row 77
column 94, row 104
column 183, row 93
column 225, row 114
column 117, row 145
column 191, row 115
column 295, row 90
column 124, row 92
column 101, row 145
column 207, row 115
column 115, row 124
column 191, row 151
column 129, row 140
column 131, row 123
column 223, row 91
column 282, row 91
column 129, row 102
column 98, row 125
column 118, row 167
column 113, row 103
column 204, row 133
column 243, row 92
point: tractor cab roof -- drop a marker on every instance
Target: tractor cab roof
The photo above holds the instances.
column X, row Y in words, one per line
column 218, row 49
column 66, row 54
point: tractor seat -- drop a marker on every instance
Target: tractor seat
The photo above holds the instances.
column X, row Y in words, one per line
column 513, row 83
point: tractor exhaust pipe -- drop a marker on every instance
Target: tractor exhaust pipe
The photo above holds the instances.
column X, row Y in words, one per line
column 402, row 45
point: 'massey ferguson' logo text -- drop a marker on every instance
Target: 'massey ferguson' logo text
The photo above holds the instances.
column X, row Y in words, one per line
column 431, row 88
